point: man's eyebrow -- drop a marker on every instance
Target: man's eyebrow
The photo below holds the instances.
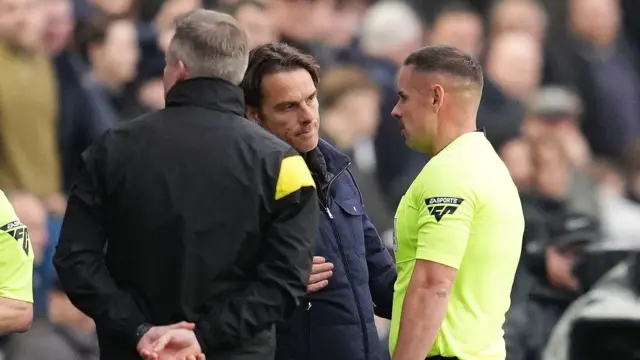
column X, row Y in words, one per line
column 402, row 94
column 286, row 103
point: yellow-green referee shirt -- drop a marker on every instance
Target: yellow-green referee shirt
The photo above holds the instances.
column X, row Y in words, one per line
column 16, row 255
column 463, row 210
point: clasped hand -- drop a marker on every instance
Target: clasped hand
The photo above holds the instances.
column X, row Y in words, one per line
column 321, row 271
column 171, row 342
column 179, row 342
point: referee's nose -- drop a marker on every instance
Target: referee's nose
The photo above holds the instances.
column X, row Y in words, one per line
column 396, row 113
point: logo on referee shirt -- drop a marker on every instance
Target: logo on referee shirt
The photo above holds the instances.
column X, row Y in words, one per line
column 441, row 206
column 18, row 231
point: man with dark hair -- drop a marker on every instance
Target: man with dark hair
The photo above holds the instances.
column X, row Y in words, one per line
column 458, row 229
column 336, row 319
column 191, row 216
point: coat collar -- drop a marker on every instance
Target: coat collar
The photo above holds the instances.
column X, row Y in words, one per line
column 336, row 160
column 211, row 93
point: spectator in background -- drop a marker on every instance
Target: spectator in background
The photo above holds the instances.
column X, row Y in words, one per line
column 553, row 113
column 551, row 176
column 32, row 213
column 110, row 48
column 458, row 25
column 67, row 334
column 343, row 41
column 349, row 103
column 390, row 32
column 514, row 64
column 253, row 17
column 156, row 27
column 602, row 65
column 516, row 154
column 518, row 15
column 304, row 24
column 554, row 286
column 461, row 26
column 82, row 115
column 28, row 106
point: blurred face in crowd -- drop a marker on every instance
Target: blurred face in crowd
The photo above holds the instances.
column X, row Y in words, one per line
column 419, row 102
column 32, row 35
column 560, row 265
column 58, row 25
column 463, row 30
column 551, row 169
column 22, row 23
column 361, row 107
column 32, row 213
column 303, row 20
column 596, row 20
column 113, row 7
column 515, row 64
column 13, row 19
column 289, row 108
column 258, row 25
column 516, row 154
column 344, row 24
column 565, row 130
column 117, row 58
column 519, row 15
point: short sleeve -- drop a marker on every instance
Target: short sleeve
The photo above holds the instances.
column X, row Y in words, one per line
column 16, row 256
column 445, row 213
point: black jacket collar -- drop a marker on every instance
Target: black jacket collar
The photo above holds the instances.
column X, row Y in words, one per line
column 210, row 93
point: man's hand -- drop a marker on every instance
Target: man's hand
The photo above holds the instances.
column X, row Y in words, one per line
column 176, row 344
column 321, row 271
column 145, row 345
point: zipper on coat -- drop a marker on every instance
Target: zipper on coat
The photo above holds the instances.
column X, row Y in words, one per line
column 336, row 233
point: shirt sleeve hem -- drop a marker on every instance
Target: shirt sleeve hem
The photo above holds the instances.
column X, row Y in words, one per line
column 15, row 297
column 441, row 259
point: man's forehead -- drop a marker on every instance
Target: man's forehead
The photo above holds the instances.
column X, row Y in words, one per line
column 409, row 78
column 294, row 85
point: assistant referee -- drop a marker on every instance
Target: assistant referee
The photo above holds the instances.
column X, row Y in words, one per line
column 458, row 229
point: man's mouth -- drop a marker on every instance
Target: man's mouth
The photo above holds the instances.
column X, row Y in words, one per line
column 306, row 131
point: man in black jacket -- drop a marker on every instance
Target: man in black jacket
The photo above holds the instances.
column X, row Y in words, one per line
column 207, row 220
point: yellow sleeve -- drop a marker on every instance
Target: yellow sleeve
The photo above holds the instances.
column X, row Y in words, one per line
column 293, row 176
column 16, row 256
column 445, row 212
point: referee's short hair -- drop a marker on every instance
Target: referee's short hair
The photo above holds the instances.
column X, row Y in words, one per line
column 448, row 60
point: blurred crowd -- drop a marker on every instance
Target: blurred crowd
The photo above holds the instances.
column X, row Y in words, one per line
column 561, row 105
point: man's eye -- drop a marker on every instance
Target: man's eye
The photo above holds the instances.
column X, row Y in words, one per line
column 311, row 99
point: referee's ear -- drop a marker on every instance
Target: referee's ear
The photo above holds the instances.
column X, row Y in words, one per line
column 253, row 114
column 438, row 97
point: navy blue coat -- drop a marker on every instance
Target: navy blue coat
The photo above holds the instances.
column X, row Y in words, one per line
column 337, row 322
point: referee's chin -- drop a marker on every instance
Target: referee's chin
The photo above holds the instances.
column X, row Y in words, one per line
column 413, row 145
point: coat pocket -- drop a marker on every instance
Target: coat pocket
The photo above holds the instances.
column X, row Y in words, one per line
column 352, row 233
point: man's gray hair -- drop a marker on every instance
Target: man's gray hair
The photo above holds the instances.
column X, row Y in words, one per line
column 210, row 44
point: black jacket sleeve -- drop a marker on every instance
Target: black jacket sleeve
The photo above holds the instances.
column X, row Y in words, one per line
column 283, row 272
column 79, row 257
